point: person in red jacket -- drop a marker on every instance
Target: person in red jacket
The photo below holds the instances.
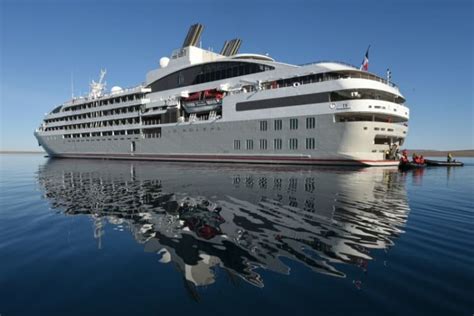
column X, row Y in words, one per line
column 404, row 158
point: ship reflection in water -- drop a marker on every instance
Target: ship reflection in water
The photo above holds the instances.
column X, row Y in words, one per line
column 238, row 218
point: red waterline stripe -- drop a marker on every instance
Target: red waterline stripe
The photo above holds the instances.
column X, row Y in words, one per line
column 220, row 157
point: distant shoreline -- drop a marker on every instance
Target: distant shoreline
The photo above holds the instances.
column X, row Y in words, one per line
column 442, row 153
column 21, row 152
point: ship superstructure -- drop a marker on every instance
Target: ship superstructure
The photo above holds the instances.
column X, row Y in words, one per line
column 200, row 105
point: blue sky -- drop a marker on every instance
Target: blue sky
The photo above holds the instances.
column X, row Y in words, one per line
column 428, row 45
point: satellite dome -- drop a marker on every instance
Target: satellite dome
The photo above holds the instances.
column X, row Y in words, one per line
column 164, row 61
column 116, row 89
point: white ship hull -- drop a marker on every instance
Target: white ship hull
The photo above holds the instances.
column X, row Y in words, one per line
column 335, row 144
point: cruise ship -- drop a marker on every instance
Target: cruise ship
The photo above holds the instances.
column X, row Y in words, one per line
column 200, row 105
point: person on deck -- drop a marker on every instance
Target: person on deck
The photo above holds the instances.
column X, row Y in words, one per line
column 414, row 157
column 450, row 157
column 393, row 152
column 404, row 158
column 421, row 160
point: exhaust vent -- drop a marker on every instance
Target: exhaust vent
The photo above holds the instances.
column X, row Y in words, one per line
column 231, row 47
column 194, row 34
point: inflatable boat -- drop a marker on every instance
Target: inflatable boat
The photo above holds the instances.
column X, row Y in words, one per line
column 442, row 163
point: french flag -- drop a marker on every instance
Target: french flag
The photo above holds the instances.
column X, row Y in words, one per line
column 365, row 62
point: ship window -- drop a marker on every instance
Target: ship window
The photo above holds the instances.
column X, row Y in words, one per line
column 277, row 143
column 381, row 140
column 206, row 73
column 249, row 144
column 278, row 125
column 314, row 98
column 56, row 109
column 237, row 144
column 180, row 78
column 263, row 144
column 293, row 143
column 152, row 133
column 294, row 123
column 310, row 122
column 263, row 125
column 310, row 143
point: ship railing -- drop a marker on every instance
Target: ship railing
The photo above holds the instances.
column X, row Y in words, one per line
column 372, row 77
column 359, row 75
column 211, row 116
column 85, row 98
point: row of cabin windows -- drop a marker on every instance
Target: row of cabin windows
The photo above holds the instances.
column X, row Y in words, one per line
column 85, row 139
column 134, row 120
column 316, row 98
column 97, row 103
column 100, row 134
column 123, row 110
column 277, row 144
column 207, row 73
column 278, row 124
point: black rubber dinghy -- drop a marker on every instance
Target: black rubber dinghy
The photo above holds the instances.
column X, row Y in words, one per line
column 411, row 165
column 442, row 163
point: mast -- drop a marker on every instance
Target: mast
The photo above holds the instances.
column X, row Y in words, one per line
column 97, row 88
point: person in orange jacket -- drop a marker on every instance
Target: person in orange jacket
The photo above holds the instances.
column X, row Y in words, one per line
column 404, row 158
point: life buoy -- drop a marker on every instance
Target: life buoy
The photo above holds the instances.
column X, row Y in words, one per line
column 296, row 84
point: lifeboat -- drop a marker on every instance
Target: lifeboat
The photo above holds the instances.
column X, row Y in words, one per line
column 203, row 101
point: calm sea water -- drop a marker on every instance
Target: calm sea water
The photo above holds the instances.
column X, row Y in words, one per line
column 84, row 237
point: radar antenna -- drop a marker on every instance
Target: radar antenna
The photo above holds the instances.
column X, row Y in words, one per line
column 97, row 88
